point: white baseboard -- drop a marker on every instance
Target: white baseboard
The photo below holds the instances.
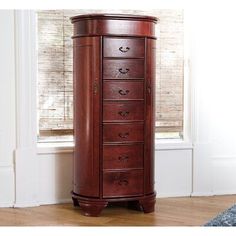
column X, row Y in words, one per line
column 6, row 204
column 56, row 201
column 170, row 195
column 201, row 194
column 228, row 192
column 26, row 181
column 6, row 186
column 26, row 204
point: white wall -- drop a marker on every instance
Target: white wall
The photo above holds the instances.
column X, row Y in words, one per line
column 213, row 51
column 173, row 176
column 55, row 177
column 7, row 107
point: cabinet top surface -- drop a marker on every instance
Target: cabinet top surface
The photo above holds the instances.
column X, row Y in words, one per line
column 114, row 17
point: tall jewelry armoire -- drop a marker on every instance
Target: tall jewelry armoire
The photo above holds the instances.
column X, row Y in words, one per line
column 114, row 118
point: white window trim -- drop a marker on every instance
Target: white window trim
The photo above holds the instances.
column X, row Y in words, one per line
column 26, row 161
column 160, row 144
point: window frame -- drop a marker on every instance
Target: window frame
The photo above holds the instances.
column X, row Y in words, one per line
column 160, row 144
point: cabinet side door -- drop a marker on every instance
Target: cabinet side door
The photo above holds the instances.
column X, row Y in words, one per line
column 149, row 146
column 87, row 94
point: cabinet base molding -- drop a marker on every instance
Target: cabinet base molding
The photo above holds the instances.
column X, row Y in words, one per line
column 94, row 206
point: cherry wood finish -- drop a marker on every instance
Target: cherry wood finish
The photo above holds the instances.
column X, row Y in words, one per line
column 120, row 90
column 122, row 156
column 123, row 111
column 123, row 132
column 122, row 183
column 123, row 69
column 118, row 25
column 86, row 114
column 114, row 77
column 131, row 47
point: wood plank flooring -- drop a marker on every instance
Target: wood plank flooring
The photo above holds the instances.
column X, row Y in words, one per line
column 194, row 211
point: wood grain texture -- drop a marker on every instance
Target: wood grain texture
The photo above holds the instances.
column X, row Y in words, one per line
column 121, row 90
column 123, row 69
column 123, row 111
column 124, row 27
column 123, row 47
column 86, row 114
column 102, row 102
column 194, row 211
column 149, row 133
column 123, row 183
column 122, row 156
column 123, row 132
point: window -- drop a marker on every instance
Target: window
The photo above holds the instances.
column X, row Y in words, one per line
column 55, row 88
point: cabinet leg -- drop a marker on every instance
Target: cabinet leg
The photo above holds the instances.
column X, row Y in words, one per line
column 134, row 205
column 75, row 202
column 92, row 208
column 148, row 204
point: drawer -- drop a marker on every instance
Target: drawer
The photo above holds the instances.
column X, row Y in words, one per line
column 123, row 132
column 122, row 156
column 123, row 69
column 123, row 47
column 122, row 90
column 122, row 183
column 123, row 111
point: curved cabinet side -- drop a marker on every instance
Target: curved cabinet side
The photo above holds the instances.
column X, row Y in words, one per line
column 149, row 147
column 86, row 53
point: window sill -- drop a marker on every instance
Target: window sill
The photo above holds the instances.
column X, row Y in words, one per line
column 68, row 147
column 172, row 144
column 56, row 147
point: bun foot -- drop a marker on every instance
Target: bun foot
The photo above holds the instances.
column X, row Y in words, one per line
column 134, row 205
column 148, row 204
column 92, row 208
column 75, row 202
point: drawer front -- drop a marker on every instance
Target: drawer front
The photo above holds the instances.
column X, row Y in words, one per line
column 123, row 132
column 123, row 69
column 123, row 90
column 123, row 47
column 122, row 183
column 122, row 156
column 123, row 111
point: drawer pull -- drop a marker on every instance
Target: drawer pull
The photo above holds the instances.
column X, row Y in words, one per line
column 123, row 92
column 124, row 49
column 123, row 182
column 123, row 135
column 123, row 71
column 123, row 158
column 123, row 113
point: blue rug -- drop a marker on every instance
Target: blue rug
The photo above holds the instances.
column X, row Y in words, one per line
column 226, row 218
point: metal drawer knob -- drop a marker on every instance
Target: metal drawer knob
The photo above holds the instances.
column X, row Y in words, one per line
column 123, row 113
column 124, row 50
column 123, row 135
column 123, row 158
column 123, row 71
column 123, row 182
column 123, row 92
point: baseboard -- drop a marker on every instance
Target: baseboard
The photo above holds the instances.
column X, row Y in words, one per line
column 7, row 186
column 169, row 195
column 201, row 194
column 27, row 177
column 56, row 201
column 229, row 192
column 26, row 204
column 6, row 204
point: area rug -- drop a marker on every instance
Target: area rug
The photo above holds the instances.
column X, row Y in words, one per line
column 226, row 218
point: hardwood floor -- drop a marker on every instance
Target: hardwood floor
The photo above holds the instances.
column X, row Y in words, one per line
column 185, row 211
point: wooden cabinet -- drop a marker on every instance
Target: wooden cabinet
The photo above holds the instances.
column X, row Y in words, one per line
column 114, row 101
